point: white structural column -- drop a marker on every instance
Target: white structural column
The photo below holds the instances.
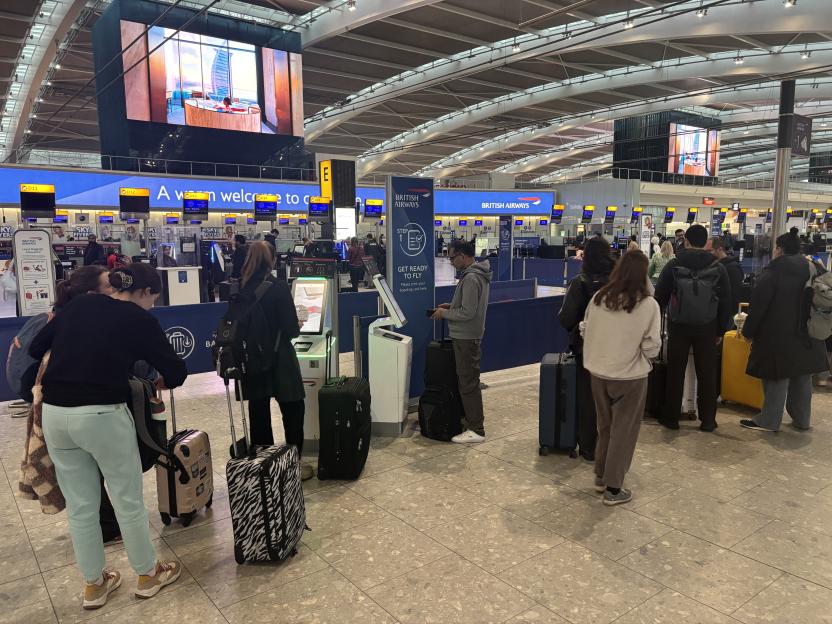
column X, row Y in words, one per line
column 760, row 63
column 335, row 18
column 731, row 19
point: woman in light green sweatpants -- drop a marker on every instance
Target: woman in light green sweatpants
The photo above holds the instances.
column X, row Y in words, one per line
column 82, row 440
column 94, row 344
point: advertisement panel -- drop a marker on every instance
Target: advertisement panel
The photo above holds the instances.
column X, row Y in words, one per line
column 98, row 189
column 519, row 202
column 410, row 263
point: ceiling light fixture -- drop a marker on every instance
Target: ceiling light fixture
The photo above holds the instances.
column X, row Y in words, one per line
column 629, row 24
column 738, row 60
column 805, row 54
column 57, row 65
column 789, row 3
column 350, row 5
column 515, row 47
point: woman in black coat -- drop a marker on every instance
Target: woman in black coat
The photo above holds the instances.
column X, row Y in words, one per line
column 283, row 381
column 783, row 354
column 595, row 272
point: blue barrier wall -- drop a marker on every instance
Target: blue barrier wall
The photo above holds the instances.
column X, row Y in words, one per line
column 521, row 332
column 365, row 303
column 517, row 331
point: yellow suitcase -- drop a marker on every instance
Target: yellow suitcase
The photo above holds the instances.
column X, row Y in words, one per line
column 737, row 386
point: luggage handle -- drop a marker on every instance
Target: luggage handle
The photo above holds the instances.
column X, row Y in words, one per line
column 239, row 448
column 743, row 306
column 172, row 413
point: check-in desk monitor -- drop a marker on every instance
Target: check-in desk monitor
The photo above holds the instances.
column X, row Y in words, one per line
column 310, row 300
column 390, row 355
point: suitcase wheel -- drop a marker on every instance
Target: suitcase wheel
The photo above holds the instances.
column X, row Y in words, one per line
column 165, row 519
column 187, row 518
column 238, row 555
column 210, row 502
column 543, row 450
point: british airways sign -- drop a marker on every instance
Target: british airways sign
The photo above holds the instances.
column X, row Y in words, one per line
column 494, row 202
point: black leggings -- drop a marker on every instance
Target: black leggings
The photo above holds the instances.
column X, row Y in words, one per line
column 260, row 418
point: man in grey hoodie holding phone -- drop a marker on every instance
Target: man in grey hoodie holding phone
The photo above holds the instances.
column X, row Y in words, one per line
column 466, row 324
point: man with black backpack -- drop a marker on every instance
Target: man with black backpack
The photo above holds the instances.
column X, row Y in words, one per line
column 696, row 292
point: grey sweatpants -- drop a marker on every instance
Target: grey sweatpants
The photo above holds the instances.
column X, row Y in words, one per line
column 467, row 354
column 619, row 404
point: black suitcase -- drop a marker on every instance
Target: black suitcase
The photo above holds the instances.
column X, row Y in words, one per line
column 440, row 406
column 657, row 380
column 345, row 424
column 268, row 514
column 558, row 404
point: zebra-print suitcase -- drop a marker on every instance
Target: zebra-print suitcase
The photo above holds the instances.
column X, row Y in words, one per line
column 268, row 515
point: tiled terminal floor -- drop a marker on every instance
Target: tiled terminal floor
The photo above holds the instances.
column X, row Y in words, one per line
column 728, row 527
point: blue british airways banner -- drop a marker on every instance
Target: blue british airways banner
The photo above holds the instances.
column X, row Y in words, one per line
column 520, row 202
column 99, row 189
column 410, row 263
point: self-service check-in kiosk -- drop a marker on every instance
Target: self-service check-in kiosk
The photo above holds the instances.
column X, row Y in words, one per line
column 390, row 356
column 315, row 300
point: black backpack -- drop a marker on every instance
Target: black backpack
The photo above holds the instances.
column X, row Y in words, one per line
column 244, row 344
column 694, row 300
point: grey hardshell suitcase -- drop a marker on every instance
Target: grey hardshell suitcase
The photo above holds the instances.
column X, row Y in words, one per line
column 268, row 515
column 558, row 409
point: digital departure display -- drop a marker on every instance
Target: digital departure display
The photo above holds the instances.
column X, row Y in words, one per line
column 283, row 221
column 692, row 212
column 742, row 215
column 770, row 216
column 134, row 201
column 609, row 215
column 37, row 201
column 372, row 207
column 437, row 223
column 463, row 223
column 171, row 220
column 518, row 222
column 588, row 213
column 544, row 222
column 319, row 209
column 477, row 222
column 265, row 207
column 230, row 220
column 105, row 218
column 637, row 212
column 61, row 217
column 195, row 205
column 670, row 214
column 557, row 213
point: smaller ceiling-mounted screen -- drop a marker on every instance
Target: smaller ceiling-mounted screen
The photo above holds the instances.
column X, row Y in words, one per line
column 37, row 201
column 588, row 213
column 265, row 207
column 670, row 214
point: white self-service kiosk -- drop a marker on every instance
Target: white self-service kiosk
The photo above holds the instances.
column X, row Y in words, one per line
column 316, row 347
column 390, row 356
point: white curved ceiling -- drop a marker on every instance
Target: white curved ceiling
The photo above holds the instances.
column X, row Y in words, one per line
column 465, row 87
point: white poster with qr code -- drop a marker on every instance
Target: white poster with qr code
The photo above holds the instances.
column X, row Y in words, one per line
column 34, row 271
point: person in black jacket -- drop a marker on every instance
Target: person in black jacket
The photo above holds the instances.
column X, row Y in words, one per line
column 597, row 267
column 238, row 258
column 94, row 253
column 783, row 354
column 88, row 428
column 283, row 381
column 732, row 267
column 694, row 270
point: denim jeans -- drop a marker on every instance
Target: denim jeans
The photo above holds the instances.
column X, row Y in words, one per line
column 795, row 395
column 82, row 441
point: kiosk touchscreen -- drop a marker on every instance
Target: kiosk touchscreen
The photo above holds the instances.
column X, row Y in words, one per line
column 316, row 347
column 390, row 355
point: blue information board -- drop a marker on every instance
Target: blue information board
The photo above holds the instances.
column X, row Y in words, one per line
column 504, row 265
column 410, row 263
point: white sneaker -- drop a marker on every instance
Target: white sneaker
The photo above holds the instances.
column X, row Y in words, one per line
column 468, row 437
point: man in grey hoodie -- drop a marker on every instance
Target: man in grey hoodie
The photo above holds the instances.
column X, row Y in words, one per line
column 466, row 323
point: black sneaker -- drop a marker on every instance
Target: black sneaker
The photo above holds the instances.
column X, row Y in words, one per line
column 750, row 424
column 623, row 496
column 670, row 424
column 708, row 427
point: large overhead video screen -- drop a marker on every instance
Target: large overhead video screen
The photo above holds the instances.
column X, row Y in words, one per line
column 208, row 82
column 693, row 150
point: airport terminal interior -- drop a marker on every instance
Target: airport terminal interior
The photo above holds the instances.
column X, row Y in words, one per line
column 393, row 217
